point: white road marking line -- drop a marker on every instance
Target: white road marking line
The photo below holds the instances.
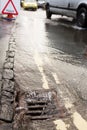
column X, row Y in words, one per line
column 79, row 122
column 67, row 101
column 56, row 78
column 60, row 125
column 39, row 65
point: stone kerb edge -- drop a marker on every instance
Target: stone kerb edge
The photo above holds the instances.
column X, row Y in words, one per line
column 7, row 89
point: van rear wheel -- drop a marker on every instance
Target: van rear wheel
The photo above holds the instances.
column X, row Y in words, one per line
column 48, row 13
column 82, row 17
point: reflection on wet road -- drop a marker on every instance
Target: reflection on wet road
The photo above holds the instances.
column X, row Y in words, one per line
column 62, row 36
column 59, row 33
column 67, row 38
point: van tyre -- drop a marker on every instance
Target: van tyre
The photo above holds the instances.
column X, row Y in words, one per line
column 82, row 17
column 48, row 13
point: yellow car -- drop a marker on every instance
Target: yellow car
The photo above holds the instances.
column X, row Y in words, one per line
column 29, row 4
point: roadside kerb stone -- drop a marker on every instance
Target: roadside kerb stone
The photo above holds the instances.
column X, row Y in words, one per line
column 8, row 65
column 8, row 74
column 7, row 91
column 6, row 126
column 10, row 54
column 0, row 77
column 7, row 87
column 0, row 87
column 10, row 59
column 6, row 112
column 12, row 47
column 0, row 84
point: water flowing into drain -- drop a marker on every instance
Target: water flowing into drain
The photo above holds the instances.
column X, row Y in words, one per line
column 37, row 105
column 42, row 104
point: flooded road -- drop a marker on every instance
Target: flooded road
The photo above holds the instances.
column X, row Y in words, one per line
column 51, row 54
column 59, row 33
column 59, row 39
column 49, row 69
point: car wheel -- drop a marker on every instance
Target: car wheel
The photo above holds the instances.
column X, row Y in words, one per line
column 48, row 13
column 82, row 17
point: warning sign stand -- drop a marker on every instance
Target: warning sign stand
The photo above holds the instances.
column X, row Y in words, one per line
column 10, row 17
column 10, row 8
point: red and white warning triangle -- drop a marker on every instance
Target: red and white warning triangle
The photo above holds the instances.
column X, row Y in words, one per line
column 10, row 8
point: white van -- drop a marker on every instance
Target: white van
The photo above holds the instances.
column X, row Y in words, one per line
column 72, row 8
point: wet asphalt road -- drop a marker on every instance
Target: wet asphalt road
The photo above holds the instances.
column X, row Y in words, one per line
column 52, row 54
column 58, row 45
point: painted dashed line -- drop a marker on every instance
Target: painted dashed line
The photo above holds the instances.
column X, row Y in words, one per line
column 79, row 122
column 77, row 119
column 40, row 67
column 56, row 78
column 60, row 125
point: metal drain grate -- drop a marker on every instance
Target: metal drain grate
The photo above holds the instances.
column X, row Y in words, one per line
column 42, row 104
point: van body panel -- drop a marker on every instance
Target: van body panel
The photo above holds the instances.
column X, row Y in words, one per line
column 65, row 7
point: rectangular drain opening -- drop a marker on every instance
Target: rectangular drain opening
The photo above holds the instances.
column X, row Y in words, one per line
column 43, row 104
column 36, row 102
column 36, row 107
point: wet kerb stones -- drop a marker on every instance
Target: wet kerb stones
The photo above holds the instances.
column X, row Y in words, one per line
column 7, row 95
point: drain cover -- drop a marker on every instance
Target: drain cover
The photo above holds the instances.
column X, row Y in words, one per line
column 43, row 104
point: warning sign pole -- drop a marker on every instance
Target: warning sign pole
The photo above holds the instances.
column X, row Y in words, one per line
column 8, row 17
